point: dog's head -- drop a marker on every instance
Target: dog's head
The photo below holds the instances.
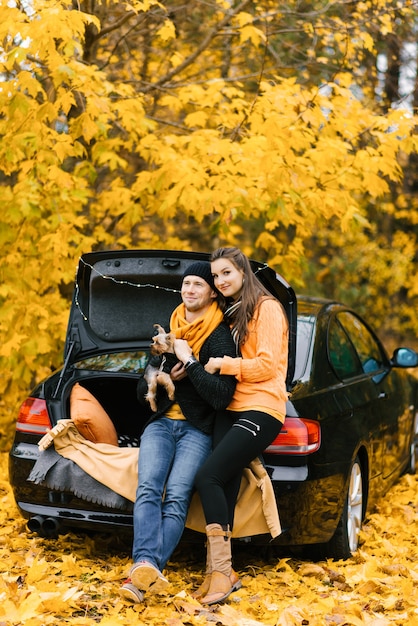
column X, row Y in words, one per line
column 162, row 342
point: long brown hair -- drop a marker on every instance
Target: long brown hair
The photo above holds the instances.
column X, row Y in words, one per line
column 252, row 289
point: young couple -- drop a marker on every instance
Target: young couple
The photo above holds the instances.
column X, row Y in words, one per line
column 229, row 406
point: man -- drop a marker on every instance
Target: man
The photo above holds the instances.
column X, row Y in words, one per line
column 177, row 439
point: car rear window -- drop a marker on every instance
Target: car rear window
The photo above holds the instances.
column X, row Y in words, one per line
column 117, row 362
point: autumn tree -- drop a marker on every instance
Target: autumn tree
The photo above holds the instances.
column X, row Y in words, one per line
column 164, row 124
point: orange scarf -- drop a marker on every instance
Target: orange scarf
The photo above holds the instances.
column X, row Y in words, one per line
column 195, row 333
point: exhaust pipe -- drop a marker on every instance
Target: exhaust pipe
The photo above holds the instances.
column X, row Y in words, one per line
column 47, row 527
column 50, row 527
column 35, row 523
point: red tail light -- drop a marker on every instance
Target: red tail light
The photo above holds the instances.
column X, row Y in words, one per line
column 33, row 417
column 298, row 436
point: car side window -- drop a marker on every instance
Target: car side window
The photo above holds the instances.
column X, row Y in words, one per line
column 368, row 350
column 341, row 352
column 306, row 329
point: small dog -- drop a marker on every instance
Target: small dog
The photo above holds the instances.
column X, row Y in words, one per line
column 161, row 343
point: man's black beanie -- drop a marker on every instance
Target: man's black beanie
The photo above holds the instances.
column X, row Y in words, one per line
column 202, row 269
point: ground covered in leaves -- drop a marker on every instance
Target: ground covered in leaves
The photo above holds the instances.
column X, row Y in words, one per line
column 75, row 578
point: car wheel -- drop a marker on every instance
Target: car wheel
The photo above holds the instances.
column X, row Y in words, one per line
column 346, row 537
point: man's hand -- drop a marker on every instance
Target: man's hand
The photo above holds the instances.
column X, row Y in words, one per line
column 182, row 349
column 214, row 365
column 178, row 372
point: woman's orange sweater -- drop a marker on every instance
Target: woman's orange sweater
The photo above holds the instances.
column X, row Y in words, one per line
column 261, row 370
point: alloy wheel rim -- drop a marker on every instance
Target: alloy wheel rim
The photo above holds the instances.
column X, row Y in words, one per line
column 354, row 506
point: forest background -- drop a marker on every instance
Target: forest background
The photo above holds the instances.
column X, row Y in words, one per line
column 286, row 128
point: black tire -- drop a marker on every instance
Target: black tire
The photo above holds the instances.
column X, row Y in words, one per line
column 346, row 537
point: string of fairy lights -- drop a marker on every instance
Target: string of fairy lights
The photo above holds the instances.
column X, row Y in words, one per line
column 124, row 282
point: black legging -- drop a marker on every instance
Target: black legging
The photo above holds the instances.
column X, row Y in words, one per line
column 238, row 439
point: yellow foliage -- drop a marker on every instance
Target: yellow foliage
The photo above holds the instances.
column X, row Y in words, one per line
column 196, row 119
column 255, row 35
column 167, row 31
column 367, row 41
column 124, row 123
column 74, row 579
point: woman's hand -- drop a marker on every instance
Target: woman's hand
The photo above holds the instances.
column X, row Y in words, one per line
column 182, row 349
column 178, row 372
column 214, row 365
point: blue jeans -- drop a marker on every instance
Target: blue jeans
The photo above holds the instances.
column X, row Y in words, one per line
column 170, row 453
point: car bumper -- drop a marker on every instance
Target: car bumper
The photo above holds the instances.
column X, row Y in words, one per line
column 309, row 509
column 51, row 520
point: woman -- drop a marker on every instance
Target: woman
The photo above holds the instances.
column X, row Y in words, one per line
column 255, row 415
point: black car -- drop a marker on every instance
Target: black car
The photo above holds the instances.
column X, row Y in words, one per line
column 351, row 424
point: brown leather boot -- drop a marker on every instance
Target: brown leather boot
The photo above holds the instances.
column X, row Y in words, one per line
column 204, row 586
column 223, row 579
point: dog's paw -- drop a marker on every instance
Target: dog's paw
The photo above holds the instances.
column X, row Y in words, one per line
column 170, row 392
column 151, row 400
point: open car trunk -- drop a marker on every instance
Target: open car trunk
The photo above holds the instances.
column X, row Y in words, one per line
column 117, row 395
column 120, row 295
